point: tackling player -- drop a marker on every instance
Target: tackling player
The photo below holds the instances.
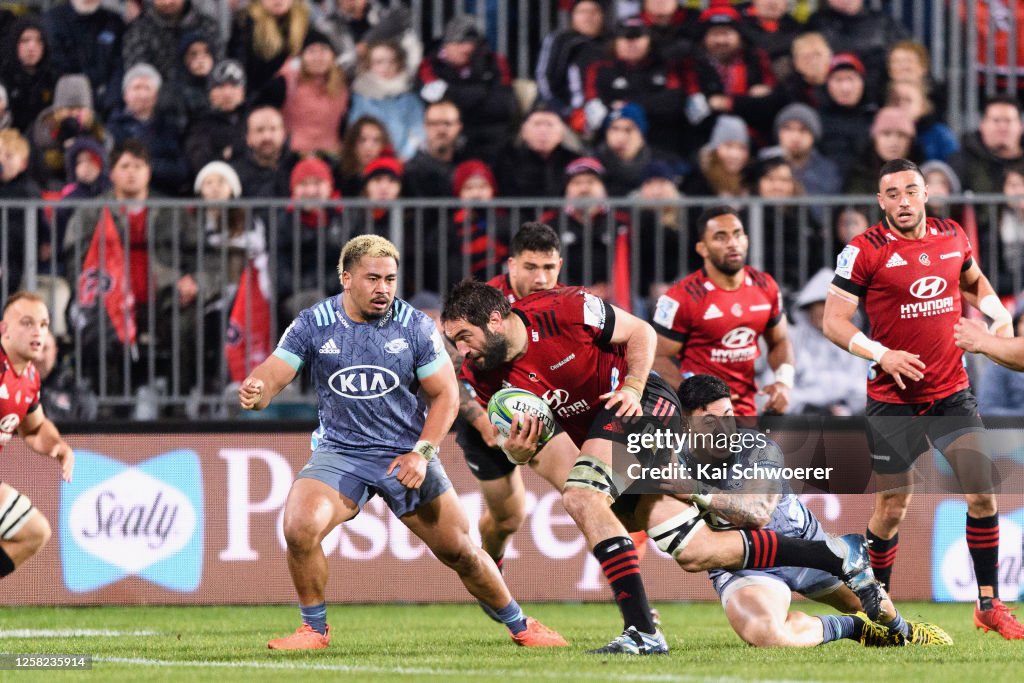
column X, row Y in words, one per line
column 757, row 601
column 369, row 354
column 710, row 321
column 912, row 272
column 591, row 363
column 23, row 529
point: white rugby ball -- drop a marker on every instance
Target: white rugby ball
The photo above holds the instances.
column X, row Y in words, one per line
column 505, row 403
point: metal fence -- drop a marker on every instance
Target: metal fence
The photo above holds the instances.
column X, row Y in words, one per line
column 178, row 363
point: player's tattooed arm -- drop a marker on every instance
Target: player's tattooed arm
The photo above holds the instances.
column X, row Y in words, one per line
column 747, row 510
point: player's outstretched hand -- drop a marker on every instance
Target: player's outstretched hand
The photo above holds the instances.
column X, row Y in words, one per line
column 902, row 364
column 66, row 457
column 412, row 470
column 778, row 398
column 629, row 404
column 521, row 443
column 250, row 392
column 970, row 335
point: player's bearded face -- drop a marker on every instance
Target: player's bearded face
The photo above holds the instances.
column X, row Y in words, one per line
column 494, row 351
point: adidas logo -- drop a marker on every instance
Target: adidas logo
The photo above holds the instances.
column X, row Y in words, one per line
column 712, row 312
column 895, row 260
column 330, row 347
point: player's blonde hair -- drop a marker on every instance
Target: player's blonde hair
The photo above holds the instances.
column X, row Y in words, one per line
column 373, row 246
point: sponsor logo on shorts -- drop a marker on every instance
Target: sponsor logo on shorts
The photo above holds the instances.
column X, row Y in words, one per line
column 145, row 520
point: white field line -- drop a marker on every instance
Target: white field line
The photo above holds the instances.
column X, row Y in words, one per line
column 69, row 633
column 428, row 671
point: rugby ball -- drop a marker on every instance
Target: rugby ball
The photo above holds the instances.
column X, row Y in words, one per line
column 504, row 405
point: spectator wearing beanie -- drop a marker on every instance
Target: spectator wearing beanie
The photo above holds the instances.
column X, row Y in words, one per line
column 479, row 235
column 194, row 68
column 721, row 161
column 855, row 28
column 140, row 120
column 71, row 115
column 383, row 89
column 155, row 36
column 88, row 177
column 310, row 238
column 625, row 152
column 225, row 230
column 592, row 233
column 728, row 74
column 219, row 133
column 661, row 236
column 798, row 130
column 316, row 98
column 87, row 38
column 466, row 71
column 941, row 181
column 26, row 71
column 263, row 36
column 533, row 164
column 847, row 113
column 634, row 73
column 892, row 137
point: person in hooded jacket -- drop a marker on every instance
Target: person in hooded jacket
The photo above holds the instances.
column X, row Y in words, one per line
column 26, row 71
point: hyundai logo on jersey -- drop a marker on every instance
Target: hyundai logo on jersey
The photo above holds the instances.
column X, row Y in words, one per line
column 952, row 570
column 146, row 520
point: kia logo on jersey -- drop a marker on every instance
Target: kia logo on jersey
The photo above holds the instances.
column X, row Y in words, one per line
column 739, row 338
column 928, row 287
column 363, row 382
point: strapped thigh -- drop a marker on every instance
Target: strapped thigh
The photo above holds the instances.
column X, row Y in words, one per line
column 14, row 512
column 672, row 535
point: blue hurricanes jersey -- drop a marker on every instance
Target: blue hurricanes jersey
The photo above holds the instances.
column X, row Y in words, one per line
column 790, row 517
column 366, row 375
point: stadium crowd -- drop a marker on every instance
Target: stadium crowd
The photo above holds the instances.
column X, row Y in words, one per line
column 333, row 100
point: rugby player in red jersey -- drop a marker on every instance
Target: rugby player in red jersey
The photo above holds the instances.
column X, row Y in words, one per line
column 23, row 529
column 710, row 321
column 912, row 273
column 591, row 362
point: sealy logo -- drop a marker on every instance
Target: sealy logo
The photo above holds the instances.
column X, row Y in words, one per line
column 396, row 345
column 739, row 338
column 928, row 287
column 146, row 521
column 363, row 382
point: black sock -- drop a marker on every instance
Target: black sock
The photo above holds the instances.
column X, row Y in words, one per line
column 6, row 563
column 621, row 568
column 983, row 542
column 764, row 549
column 883, row 555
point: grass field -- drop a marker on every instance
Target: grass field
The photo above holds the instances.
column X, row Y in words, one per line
column 445, row 642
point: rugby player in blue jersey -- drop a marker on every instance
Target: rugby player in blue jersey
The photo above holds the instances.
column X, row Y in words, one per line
column 756, row 601
column 372, row 358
